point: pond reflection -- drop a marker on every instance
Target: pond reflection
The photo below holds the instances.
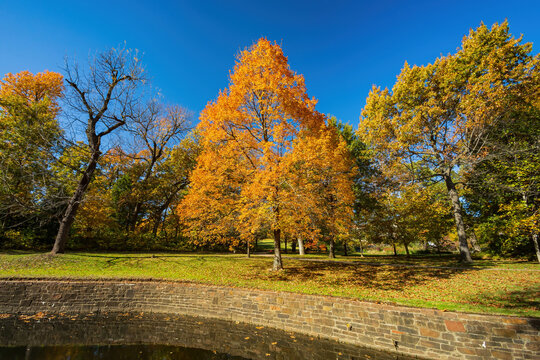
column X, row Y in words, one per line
column 156, row 336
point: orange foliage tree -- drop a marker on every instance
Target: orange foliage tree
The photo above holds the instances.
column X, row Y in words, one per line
column 240, row 182
column 320, row 181
column 29, row 88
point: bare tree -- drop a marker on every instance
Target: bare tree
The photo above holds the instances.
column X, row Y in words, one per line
column 106, row 95
column 159, row 127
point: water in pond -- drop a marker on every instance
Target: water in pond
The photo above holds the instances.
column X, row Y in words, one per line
column 152, row 336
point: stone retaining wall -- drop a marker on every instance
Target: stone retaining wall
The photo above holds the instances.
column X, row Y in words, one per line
column 424, row 333
column 219, row 336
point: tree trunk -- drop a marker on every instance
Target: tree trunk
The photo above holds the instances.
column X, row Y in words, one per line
column 406, row 249
column 425, row 245
column 331, row 249
column 155, row 227
column 277, row 265
column 473, row 240
column 345, row 250
column 159, row 219
column 395, row 250
column 134, row 217
column 301, row 249
column 534, row 238
column 158, row 216
column 293, row 247
column 73, row 206
column 164, row 230
column 285, row 240
column 361, row 248
column 248, row 252
column 460, row 225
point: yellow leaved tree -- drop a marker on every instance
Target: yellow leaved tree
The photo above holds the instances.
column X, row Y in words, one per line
column 435, row 121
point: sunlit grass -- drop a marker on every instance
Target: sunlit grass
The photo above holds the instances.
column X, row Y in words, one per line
column 488, row 287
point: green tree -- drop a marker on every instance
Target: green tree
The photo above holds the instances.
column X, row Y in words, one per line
column 504, row 188
column 30, row 140
column 364, row 187
column 435, row 120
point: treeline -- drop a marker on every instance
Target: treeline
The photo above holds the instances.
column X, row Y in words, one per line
column 445, row 160
column 62, row 171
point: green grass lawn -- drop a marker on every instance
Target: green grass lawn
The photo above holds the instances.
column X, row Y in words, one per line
column 487, row 287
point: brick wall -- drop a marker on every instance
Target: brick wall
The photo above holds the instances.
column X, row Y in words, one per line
column 422, row 332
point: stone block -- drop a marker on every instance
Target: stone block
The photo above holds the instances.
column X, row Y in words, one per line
column 455, row 326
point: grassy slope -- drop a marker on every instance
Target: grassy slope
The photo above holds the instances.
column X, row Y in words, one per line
column 488, row 287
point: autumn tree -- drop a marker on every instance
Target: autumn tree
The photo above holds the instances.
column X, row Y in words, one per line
column 435, row 119
column 103, row 98
column 30, row 140
column 321, row 170
column 240, row 180
column 209, row 212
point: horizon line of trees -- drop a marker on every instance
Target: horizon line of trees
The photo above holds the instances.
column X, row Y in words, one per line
column 94, row 158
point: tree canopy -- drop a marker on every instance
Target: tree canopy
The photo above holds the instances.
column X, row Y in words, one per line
column 436, row 118
column 30, row 139
column 242, row 180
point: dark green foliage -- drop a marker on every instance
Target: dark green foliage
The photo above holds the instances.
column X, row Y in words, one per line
column 122, row 201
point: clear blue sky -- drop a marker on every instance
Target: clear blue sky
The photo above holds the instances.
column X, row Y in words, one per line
column 341, row 47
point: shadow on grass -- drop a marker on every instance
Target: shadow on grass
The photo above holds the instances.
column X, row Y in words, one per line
column 142, row 256
column 523, row 299
column 446, row 260
column 115, row 259
column 378, row 277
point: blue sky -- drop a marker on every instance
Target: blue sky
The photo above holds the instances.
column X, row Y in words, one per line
column 341, row 47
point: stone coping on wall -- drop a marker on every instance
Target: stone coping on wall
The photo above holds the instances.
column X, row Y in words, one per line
column 426, row 333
